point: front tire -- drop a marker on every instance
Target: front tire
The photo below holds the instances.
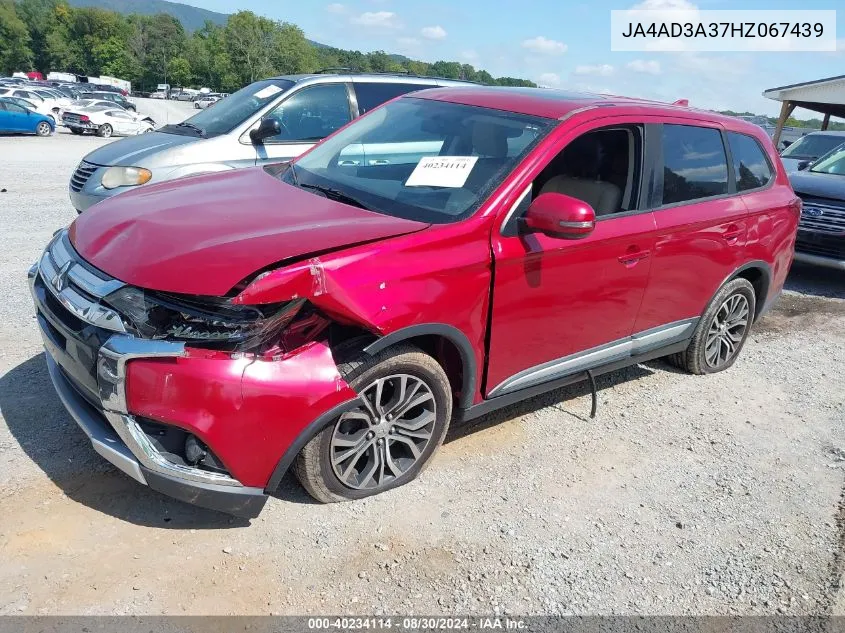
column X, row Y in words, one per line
column 722, row 331
column 406, row 405
column 104, row 131
column 43, row 129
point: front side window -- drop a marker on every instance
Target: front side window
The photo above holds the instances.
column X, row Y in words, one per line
column 372, row 94
column 311, row 114
column 751, row 168
column 694, row 163
column 420, row 159
column 13, row 107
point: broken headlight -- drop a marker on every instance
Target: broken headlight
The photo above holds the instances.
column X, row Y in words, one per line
column 209, row 322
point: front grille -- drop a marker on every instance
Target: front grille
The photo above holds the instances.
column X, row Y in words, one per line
column 83, row 171
column 821, row 244
column 822, row 216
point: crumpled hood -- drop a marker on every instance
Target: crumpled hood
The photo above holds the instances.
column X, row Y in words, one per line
column 203, row 235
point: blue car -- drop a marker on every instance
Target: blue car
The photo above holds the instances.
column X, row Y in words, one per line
column 16, row 119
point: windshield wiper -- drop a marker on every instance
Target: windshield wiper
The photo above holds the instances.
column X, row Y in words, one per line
column 335, row 194
column 193, row 127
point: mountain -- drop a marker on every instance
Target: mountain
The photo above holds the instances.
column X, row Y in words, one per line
column 192, row 18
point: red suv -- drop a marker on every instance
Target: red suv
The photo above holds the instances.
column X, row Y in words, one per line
column 449, row 253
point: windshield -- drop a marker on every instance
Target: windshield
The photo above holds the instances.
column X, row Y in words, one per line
column 233, row 110
column 812, row 146
column 832, row 163
column 420, row 159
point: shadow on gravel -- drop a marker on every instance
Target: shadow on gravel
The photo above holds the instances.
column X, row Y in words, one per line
column 50, row 437
column 557, row 397
column 815, row 280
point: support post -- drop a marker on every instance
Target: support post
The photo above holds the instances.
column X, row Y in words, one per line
column 786, row 109
column 825, row 121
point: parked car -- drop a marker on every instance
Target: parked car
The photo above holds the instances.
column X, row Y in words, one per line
column 16, row 119
column 204, row 102
column 268, row 121
column 40, row 107
column 450, row 253
column 85, row 104
column 809, row 148
column 31, row 95
column 158, row 95
column 115, row 98
column 821, row 231
column 106, row 122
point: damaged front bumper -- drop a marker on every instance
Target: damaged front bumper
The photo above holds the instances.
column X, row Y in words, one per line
column 117, row 386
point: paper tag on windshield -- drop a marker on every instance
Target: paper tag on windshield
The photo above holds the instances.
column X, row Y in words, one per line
column 442, row 171
column 268, row 91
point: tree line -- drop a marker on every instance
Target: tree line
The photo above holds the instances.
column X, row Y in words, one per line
column 50, row 35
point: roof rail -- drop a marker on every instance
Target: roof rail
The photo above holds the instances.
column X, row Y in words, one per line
column 335, row 69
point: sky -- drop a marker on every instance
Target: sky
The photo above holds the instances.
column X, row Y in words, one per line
column 560, row 43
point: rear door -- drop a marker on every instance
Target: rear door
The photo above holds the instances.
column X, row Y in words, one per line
column 306, row 116
column 700, row 222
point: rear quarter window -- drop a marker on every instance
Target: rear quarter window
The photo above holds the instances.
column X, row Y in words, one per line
column 751, row 167
column 371, row 94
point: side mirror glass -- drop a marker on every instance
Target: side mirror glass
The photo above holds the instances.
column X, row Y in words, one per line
column 804, row 164
column 559, row 216
column 267, row 128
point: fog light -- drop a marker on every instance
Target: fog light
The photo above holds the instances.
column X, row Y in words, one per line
column 195, row 451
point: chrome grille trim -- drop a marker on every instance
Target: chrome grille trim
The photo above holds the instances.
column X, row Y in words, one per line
column 72, row 285
column 83, row 171
column 830, row 221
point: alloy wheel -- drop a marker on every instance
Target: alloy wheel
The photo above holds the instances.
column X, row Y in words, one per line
column 727, row 331
column 43, row 129
column 382, row 439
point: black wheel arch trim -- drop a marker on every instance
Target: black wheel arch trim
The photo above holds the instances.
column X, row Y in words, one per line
column 449, row 332
column 764, row 267
column 307, row 434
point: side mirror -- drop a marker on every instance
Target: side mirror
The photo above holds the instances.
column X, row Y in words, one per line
column 804, row 164
column 267, row 128
column 560, row 216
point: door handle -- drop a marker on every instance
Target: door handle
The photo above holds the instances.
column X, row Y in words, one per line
column 732, row 234
column 633, row 256
column 379, row 162
column 348, row 163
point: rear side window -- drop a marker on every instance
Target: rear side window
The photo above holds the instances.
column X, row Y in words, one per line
column 372, row 95
column 694, row 163
column 751, row 168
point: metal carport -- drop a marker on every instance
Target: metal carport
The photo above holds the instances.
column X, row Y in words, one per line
column 826, row 96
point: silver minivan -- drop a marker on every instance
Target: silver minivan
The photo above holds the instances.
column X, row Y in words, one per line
column 272, row 120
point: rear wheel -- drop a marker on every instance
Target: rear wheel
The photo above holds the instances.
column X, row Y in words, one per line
column 406, row 405
column 722, row 330
column 105, row 131
column 43, row 129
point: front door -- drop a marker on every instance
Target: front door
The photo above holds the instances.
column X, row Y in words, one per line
column 563, row 306
column 305, row 117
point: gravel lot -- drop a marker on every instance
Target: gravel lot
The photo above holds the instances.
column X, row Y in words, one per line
column 686, row 495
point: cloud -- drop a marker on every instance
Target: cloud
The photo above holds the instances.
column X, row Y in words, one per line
column 545, row 46
column 377, row 19
column 549, row 79
column 336, row 7
column 647, row 66
column 601, row 70
column 433, row 33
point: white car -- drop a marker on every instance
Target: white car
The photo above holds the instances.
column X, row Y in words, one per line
column 85, row 104
column 204, row 102
column 107, row 121
column 49, row 103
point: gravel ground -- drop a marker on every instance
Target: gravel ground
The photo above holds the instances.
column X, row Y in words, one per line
column 686, row 495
